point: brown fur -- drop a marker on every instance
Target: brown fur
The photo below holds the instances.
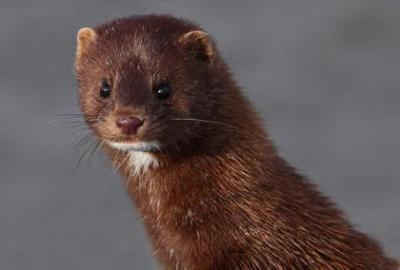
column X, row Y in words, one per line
column 85, row 36
column 221, row 197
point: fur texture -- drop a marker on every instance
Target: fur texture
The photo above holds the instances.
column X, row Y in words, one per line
column 140, row 157
column 213, row 194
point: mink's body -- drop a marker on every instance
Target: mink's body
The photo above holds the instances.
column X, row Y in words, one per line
column 207, row 181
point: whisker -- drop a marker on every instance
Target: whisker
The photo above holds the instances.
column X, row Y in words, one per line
column 91, row 158
column 78, row 126
column 88, row 143
column 88, row 153
column 74, row 115
column 84, row 139
column 68, row 114
column 204, row 121
column 51, row 122
column 85, row 150
column 80, row 159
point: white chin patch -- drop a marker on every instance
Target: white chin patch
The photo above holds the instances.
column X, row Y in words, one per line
column 140, row 156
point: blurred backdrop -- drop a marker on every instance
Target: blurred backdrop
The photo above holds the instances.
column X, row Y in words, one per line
column 323, row 74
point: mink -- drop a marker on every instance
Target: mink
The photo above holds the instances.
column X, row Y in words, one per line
column 212, row 191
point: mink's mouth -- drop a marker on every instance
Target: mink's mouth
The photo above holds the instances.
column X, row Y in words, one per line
column 151, row 146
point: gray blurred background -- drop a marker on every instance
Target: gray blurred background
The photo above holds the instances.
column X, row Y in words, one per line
column 323, row 74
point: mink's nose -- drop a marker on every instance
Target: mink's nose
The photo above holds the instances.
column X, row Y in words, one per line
column 129, row 124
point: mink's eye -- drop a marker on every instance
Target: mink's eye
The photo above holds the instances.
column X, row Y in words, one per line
column 163, row 91
column 105, row 89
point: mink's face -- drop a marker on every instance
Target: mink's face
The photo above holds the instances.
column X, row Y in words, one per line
column 140, row 85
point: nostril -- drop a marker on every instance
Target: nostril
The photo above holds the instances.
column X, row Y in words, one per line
column 129, row 124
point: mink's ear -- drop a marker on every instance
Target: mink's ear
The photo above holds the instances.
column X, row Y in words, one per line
column 85, row 37
column 199, row 44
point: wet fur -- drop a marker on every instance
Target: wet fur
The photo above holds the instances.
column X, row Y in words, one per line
column 220, row 197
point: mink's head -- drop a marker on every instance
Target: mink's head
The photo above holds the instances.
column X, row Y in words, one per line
column 149, row 83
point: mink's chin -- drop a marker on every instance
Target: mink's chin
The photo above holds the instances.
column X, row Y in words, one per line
column 150, row 146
